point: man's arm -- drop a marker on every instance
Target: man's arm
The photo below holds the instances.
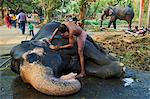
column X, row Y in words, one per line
column 71, row 42
column 70, row 45
column 54, row 33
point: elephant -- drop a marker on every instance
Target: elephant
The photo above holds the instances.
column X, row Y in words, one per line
column 117, row 12
column 45, row 69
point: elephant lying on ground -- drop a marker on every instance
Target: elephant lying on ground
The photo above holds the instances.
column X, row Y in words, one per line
column 43, row 68
column 122, row 13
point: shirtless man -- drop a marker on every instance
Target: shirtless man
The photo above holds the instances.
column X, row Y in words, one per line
column 71, row 29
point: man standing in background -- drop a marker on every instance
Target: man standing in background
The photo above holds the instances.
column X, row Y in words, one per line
column 22, row 20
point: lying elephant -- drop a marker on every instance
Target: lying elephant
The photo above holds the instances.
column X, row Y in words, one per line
column 44, row 68
column 122, row 13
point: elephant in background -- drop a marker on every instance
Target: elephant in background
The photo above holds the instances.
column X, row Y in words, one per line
column 122, row 13
column 44, row 68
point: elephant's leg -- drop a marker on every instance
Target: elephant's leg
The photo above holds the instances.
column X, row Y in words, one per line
column 114, row 24
column 91, row 52
column 129, row 20
column 109, row 23
column 112, row 19
column 101, row 49
column 114, row 69
column 130, row 24
column 96, row 45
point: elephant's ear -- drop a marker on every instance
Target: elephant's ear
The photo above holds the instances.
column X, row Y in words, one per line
column 111, row 12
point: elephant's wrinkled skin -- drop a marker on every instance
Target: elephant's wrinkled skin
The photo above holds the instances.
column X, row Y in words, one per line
column 122, row 13
column 42, row 67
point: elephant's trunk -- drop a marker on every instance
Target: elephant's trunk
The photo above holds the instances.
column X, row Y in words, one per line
column 41, row 78
column 102, row 18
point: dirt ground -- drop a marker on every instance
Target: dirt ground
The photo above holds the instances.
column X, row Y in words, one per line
column 133, row 51
column 11, row 37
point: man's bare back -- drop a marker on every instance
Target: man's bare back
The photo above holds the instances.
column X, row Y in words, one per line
column 73, row 28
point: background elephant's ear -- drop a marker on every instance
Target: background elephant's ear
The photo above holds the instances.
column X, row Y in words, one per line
column 111, row 12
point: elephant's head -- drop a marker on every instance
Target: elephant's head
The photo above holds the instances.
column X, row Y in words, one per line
column 42, row 78
column 107, row 12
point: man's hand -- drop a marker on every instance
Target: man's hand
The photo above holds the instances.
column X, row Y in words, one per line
column 54, row 47
column 49, row 40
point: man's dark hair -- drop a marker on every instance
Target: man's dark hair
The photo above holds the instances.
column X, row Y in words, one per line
column 136, row 27
column 63, row 28
column 75, row 19
column 22, row 10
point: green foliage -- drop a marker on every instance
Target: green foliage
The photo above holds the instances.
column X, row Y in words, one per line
column 91, row 22
column 27, row 6
column 82, row 2
column 49, row 6
column 71, row 7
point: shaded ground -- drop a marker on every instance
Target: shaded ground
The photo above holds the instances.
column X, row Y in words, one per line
column 11, row 86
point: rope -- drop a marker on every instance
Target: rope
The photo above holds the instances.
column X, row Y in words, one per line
column 8, row 54
column 3, row 68
column 3, row 57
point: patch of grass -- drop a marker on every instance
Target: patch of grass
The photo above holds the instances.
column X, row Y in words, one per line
column 105, row 22
column 132, row 51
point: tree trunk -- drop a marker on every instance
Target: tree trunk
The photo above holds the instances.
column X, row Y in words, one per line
column 141, row 12
column 148, row 16
column 1, row 11
column 48, row 15
column 82, row 14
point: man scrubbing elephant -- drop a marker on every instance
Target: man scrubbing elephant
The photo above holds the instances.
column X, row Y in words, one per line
column 70, row 29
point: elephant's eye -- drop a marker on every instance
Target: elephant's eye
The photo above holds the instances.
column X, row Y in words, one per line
column 33, row 57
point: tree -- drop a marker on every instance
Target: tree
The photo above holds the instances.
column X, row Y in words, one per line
column 83, row 8
column 141, row 12
column 148, row 16
column 48, row 7
column 1, row 10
